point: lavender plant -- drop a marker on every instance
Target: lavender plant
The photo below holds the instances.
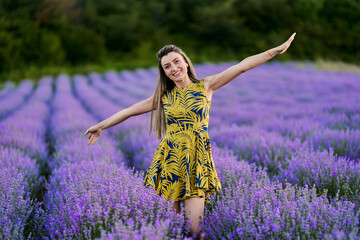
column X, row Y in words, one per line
column 15, row 203
column 333, row 174
column 26, row 127
column 266, row 149
column 343, row 142
column 16, row 159
column 87, row 197
column 159, row 230
column 13, row 100
column 7, row 88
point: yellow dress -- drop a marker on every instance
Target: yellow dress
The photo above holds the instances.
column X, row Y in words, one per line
column 183, row 166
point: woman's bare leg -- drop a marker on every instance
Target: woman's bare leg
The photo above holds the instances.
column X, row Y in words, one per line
column 194, row 211
column 176, row 207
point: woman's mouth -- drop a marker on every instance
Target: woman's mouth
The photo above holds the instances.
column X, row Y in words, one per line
column 177, row 73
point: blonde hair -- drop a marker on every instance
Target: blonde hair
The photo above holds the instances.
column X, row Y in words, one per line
column 158, row 121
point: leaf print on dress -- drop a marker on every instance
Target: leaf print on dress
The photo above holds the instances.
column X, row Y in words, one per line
column 182, row 166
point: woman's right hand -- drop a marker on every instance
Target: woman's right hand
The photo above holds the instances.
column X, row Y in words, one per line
column 94, row 134
column 283, row 47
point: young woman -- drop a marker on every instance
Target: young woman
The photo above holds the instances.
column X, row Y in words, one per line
column 183, row 168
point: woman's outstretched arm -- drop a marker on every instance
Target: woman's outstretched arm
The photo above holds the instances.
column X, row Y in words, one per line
column 138, row 108
column 216, row 81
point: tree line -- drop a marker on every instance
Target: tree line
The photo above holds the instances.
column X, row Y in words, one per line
column 75, row 32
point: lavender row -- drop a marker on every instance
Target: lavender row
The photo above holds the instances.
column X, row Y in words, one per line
column 344, row 143
column 26, row 127
column 24, row 131
column 135, row 141
column 103, row 107
column 23, row 135
column 112, row 93
column 266, row 149
column 16, row 204
column 18, row 178
column 100, row 106
column 69, row 121
column 14, row 99
column 7, row 88
column 131, row 83
column 335, row 175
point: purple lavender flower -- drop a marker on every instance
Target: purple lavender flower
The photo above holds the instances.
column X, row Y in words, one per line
column 7, row 88
column 343, row 142
column 15, row 203
column 327, row 172
column 14, row 99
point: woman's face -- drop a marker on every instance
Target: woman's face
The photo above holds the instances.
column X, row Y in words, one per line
column 175, row 66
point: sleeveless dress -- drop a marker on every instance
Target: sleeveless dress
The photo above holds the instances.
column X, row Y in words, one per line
column 182, row 166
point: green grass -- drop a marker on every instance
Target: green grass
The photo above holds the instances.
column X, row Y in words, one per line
column 335, row 66
column 322, row 64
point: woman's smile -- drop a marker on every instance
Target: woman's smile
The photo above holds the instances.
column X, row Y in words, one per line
column 177, row 73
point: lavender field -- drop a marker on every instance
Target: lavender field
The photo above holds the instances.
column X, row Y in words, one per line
column 285, row 141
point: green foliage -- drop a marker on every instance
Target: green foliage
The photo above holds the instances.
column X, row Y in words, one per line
column 10, row 46
column 81, row 44
column 45, row 34
column 24, row 42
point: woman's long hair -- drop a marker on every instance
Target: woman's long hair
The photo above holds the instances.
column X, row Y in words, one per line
column 158, row 123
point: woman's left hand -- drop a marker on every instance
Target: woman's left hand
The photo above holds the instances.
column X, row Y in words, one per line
column 94, row 134
column 283, row 47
